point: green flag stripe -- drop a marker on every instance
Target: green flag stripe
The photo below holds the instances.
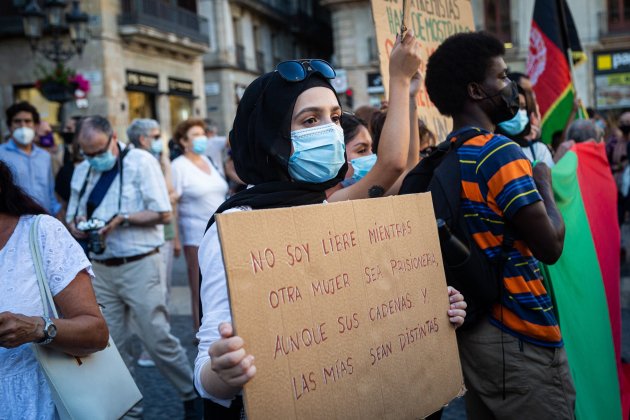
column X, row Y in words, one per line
column 580, row 300
column 557, row 117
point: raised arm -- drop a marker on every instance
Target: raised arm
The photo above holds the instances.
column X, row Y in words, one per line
column 394, row 143
column 413, row 156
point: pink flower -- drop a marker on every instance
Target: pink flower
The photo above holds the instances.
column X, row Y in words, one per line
column 81, row 82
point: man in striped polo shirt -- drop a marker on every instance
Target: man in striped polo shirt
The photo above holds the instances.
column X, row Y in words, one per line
column 514, row 362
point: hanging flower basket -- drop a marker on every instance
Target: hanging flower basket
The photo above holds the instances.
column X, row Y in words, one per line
column 57, row 92
column 62, row 84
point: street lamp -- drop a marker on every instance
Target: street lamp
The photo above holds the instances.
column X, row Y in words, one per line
column 34, row 20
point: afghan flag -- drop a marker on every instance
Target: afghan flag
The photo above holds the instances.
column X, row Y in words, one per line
column 552, row 34
column 584, row 283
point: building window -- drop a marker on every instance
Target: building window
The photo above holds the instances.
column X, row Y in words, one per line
column 48, row 111
column 372, row 49
column 141, row 105
column 619, row 15
column 181, row 109
column 497, row 18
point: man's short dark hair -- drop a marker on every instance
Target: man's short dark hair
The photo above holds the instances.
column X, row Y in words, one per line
column 461, row 59
column 14, row 109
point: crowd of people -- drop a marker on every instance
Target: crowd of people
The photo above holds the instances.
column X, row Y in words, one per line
column 119, row 210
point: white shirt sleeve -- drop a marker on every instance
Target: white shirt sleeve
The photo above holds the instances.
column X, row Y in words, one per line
column 152, row 184
column 543, row 154
column 62, row 257
column 215, row 303
column 78, row 178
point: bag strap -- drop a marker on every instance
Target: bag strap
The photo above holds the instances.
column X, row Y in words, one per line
column 102, row 186
column 44, row 289
column 532, row 149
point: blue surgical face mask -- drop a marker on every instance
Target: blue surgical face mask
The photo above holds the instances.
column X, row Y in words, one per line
column 318, row 153
column 516, row 125
column 199, row 145
column 156, row 146
column 601, row 124
column 362, row 165
column 103, row 162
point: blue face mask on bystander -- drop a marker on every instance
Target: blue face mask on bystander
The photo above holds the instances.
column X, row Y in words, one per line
column 156, row 146
column 517, row 124
column 103, row 162
column 318, row 153
column 199, row 145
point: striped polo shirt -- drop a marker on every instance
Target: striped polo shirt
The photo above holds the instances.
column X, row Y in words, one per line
column 496, row 182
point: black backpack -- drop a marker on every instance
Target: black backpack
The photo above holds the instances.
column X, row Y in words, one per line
column 478, row 278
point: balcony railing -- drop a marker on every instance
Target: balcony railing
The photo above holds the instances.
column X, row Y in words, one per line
column 165, row 17
column 240, row 56
column 260, row 61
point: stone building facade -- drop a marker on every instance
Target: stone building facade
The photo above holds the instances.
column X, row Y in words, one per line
column 250, row 37
column 143, row 59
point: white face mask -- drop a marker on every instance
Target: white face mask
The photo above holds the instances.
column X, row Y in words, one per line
column 24, row 135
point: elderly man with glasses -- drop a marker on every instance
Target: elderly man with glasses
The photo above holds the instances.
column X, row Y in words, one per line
column 124, row 189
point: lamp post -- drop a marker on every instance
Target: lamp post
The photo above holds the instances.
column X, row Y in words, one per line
column 54, row 17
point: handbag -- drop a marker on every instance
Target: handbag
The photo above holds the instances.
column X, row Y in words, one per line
column 96, row 387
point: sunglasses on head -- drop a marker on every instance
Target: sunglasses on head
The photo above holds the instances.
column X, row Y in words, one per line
column 298, row 70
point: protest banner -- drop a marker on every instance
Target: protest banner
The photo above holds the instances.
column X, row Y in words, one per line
column 344, row 307
column 432, row 22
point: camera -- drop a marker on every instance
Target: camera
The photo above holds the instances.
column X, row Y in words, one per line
column 95, row 241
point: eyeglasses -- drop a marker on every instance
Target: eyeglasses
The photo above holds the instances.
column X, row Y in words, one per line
column 298, row 70
column 100, row 152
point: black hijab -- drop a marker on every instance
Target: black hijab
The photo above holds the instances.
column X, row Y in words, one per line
column 261, row 146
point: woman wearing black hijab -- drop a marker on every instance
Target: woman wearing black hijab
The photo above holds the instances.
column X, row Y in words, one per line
column 287, row 142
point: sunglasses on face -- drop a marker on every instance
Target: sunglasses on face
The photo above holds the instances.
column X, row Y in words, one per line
column 298, row 70
column 100, row 152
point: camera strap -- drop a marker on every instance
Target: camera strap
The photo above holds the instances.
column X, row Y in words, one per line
column 102, row 186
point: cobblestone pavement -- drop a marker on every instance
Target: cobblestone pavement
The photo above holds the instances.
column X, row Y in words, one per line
column 161, row 400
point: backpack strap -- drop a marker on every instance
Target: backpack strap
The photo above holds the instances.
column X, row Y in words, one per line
column 450, row 181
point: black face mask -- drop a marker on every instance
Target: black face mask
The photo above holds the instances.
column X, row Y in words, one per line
column 625, row 129
column 67, row 137
column 508, row 106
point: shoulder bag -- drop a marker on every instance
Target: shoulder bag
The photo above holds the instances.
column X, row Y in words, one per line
column 98, row 386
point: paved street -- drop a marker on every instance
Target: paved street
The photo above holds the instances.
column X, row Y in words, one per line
column 162, row 402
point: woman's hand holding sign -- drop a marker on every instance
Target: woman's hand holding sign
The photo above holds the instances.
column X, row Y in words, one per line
column 457, row 310
column 231, row 366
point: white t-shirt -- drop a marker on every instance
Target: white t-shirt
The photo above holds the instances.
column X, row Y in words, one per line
column 199, row 194
column 215, row 302
column 541, row 153
column 24, row 392
column 216, row 152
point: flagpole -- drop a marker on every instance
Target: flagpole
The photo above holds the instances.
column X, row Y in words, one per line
column 564, row 33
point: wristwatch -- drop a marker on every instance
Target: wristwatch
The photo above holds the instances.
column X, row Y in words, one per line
column 125, row 217
column 50, row 331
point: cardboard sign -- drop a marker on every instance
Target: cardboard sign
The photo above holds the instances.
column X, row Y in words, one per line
column 432, row 22
column 344, row 306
